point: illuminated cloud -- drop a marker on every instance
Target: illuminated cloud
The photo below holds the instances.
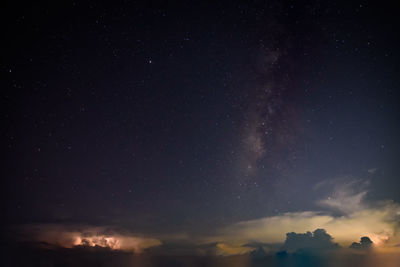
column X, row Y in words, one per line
column 379, row 222
column 356, row 218
column 71, row 236
column 225, row 249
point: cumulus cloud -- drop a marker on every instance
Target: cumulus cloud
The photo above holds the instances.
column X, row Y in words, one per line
column 70, row 236
column 318, row 240
column 365, row 243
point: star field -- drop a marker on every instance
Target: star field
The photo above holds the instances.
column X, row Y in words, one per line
column 186, row 117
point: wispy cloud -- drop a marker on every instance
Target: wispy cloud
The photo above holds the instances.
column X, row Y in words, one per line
column 346, row 197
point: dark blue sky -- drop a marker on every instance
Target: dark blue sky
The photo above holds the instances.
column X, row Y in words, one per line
column 186, row 117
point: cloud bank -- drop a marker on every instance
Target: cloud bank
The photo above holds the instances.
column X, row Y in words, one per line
column 356, row 218
column 344, row 214
column 68, row 236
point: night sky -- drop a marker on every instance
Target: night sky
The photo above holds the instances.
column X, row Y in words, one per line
column 169, row 119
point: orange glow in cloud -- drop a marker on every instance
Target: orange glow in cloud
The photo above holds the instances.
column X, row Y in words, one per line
column 100, row 240
column 379, row 221
column 67, row 237
column 378, row 240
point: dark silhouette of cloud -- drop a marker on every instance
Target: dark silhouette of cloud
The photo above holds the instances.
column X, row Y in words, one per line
column 318, row 240
column 365, row 243
column 259, row 253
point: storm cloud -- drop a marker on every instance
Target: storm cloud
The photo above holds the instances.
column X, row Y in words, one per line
column 69, row 236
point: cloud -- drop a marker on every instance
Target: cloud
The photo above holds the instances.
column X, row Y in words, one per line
column 318, row 240
column 346, row 197
column 379, row 221
column 365, row 243
column 226, row 249
column 68, row 236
